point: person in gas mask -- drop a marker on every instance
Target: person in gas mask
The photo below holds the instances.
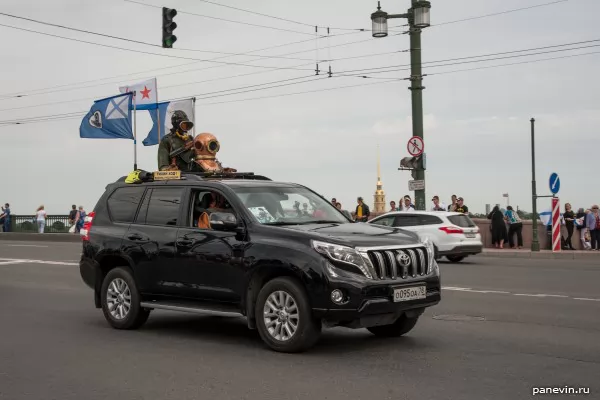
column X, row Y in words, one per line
column 176, row 139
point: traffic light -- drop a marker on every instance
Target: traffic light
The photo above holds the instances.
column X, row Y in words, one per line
column 168, row 26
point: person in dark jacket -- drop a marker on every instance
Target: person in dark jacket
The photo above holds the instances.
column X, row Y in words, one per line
column 498, row 227
column 362, row 211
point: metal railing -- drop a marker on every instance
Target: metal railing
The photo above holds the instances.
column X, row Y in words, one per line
column 28, row 223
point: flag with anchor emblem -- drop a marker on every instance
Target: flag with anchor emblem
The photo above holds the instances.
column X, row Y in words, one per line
column 108, row 118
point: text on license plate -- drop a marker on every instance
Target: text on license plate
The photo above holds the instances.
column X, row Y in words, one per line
column 470, row 235
column 410, row 293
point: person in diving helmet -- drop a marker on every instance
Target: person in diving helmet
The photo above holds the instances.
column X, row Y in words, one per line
column 178, row 138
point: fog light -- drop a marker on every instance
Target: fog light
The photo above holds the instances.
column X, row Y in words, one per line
column 337, row 296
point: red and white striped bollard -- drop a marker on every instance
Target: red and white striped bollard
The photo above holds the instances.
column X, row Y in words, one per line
column 556, row 236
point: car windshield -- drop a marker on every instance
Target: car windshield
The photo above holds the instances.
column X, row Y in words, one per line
column 291, row 205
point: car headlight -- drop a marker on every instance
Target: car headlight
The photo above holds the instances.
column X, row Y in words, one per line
column 343, row 254
column 430, row 253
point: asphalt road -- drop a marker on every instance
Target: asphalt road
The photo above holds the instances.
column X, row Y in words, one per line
column 504, row 327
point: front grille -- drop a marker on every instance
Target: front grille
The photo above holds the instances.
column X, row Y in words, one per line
column 399, row 263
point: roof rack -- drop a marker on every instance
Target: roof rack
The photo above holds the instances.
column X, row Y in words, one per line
column 227, row 175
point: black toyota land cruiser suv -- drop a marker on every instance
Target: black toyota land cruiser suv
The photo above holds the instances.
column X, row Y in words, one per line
column 277, row 253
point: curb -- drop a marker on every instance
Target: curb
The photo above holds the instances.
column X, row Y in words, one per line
column 543, row 254
column 37, row 237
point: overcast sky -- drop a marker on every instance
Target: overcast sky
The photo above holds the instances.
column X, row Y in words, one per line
column 476, row 122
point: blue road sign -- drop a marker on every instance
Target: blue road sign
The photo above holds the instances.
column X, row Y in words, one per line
column 554, row 183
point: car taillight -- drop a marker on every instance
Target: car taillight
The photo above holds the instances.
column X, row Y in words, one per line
column 87, row 226
column 451, row 229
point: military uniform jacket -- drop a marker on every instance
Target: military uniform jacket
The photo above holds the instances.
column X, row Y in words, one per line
column 169, row 143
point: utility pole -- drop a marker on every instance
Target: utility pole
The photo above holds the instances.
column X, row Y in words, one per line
column 535, row 243
column 416, row 88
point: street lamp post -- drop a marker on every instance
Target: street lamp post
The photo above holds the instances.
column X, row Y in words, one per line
column 418, row 18
column 535, row 243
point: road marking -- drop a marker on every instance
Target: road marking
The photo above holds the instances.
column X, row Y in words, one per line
column 23, row 261
column 538, row 295
column 25, row 245
column 9, row 262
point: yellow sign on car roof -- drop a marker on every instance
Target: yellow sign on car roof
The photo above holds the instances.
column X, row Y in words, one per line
column 166, row 175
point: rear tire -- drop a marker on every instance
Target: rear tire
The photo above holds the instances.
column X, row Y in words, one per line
column 120, row 300
column 402, row 326
column 455, row 259
column 284, row 317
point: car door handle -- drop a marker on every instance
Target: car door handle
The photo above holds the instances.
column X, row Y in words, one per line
column 185, row 242
column 135, row 236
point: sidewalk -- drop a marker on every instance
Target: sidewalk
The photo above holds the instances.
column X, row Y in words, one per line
column 525, row 253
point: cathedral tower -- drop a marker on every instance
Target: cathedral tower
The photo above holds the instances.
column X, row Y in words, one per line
column 379, row 205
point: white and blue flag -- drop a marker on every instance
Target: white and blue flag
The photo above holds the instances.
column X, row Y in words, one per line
column 164, row 112
column 108, row 118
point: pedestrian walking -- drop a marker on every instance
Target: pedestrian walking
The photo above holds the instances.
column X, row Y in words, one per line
column 593, row 223
column 569, row 218
column 498, row 227
column 362, row 211
column 41, row 216
column 5, row 217
column 515, row 226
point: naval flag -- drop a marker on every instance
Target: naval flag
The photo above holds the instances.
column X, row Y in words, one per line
column 165, row 111
column 146, row 97
column 108, row 118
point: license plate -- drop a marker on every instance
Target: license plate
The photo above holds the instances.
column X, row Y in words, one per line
column 470, row 235
column 410, row 293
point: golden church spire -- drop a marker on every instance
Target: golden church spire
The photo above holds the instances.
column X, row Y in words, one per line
column 379, row 205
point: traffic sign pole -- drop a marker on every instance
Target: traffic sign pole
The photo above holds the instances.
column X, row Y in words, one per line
column 556, row 236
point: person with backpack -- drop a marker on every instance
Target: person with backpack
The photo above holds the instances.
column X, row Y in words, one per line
column 515, row 225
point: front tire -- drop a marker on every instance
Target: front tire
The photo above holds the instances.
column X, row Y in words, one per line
column 284, row 317
column 402, row 326
column 120, row 300
column 455, row 259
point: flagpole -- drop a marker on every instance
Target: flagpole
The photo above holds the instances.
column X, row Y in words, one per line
column 134, row 131
column 194, row 115
column 157, row 110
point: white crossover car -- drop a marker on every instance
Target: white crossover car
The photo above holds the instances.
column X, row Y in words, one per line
column 454, row 235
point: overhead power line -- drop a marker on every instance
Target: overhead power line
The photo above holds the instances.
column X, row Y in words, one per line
column 226, row 20
column 79, row 114
column 492, row 14
column 139, row 51
column 426, row 64
column 251, row 12
column 69, row 87
column 500, row 13
column 132, row 40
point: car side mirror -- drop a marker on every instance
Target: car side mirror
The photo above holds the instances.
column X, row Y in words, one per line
column 347, row 214
column 222, row 221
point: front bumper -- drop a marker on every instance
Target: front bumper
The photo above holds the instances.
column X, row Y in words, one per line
column 464, row 249
column 373, row 304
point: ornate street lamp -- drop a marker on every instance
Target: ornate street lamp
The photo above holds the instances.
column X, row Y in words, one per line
column 418, row 17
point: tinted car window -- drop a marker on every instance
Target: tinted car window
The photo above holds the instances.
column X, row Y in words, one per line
column 385, row 221
column 164, row 206
column 430, row 220
column 407, row 220
column 462, row 220
column 123, row 203
column 141, row 217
